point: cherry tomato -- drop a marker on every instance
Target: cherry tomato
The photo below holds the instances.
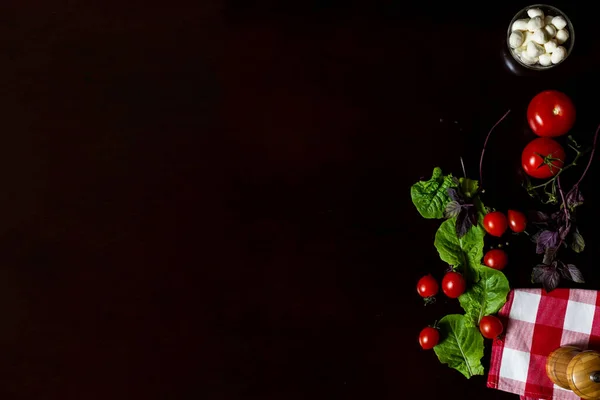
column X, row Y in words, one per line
column 427, row 286
column 428, row 338
column 495, row 223
column 517, row 221
column 533, row 162
column 496, row 259
column 551, row 113
column 453, row 284
column 490, row 327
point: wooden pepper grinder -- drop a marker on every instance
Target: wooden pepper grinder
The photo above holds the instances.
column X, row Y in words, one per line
column 571, row 368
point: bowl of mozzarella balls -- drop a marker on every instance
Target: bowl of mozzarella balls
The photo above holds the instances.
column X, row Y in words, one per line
column 540, row 37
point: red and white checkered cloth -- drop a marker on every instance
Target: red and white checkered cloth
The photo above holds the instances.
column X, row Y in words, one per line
column 536, row 323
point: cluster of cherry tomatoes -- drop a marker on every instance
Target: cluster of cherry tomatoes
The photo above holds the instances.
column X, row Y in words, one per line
column 453, row 285
column 495, row 224
column 550, row 114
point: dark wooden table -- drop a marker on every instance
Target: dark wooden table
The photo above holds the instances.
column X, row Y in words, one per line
column 211, row 201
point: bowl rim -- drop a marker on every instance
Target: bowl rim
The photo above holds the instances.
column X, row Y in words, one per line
column 538, row 67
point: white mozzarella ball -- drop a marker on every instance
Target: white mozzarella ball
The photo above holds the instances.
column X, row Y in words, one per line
column 548, row 19
column 535, row 12
column 559, row 22
column 528, row 60
column 516, row 39
column 562, row 36
column 519, row 51
column 520, row 25
column 550, row 30
column 550, row 46
column 534, row 50
column 545, row 59
column 528, row 37
column 535, row 23
column 540, row 36
column 558, row 55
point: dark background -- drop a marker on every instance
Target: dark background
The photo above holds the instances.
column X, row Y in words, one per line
column 211, row 200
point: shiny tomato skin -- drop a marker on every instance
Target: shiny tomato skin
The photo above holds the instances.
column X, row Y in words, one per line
column 533, row 163
column 453, row 284
column 427, row 286
column 490, row 327
column 517, row 221
column 428, row 338
column 551, row 113
column 496, row 259
column 495, row 223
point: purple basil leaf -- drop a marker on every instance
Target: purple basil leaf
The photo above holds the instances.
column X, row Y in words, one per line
column 452, row 209
column 453, row 194
column 546, row 239
column 574, row 273
column 537, row 217
column 564, row 273
column 549, row 255
column 577, row 242
column 551, row 281
column 463, row 222
column 472, row 214
column 574, row 198
column 547, row 275
column 558, row 217
column 537, row 274
column 563, row 231
column 535, row 236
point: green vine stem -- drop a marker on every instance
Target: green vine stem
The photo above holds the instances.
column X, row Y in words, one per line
column 561, row 170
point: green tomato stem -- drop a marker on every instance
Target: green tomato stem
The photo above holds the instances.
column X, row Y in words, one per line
column 560, row 171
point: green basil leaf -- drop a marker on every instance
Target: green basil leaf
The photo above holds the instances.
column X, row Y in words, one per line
column 481, row 210
column 430, row 197
column 465, row 252
column 468, row 187
column 577, row 243
column 461, row 347
column 485, row 297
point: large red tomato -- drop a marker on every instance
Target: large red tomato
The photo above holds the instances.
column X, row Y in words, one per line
column 551, row 113
column 532, row 160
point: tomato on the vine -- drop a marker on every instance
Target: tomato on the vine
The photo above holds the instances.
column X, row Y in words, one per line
column 496, row 259
column 551, row 113
column 428, row 338
column 453, row 284
column 490, row 327
column 427, row 286
column 517, row 221
column 495, row 223
column 543, row 158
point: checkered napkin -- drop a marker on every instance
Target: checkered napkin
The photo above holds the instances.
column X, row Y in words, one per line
column 536, row 323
